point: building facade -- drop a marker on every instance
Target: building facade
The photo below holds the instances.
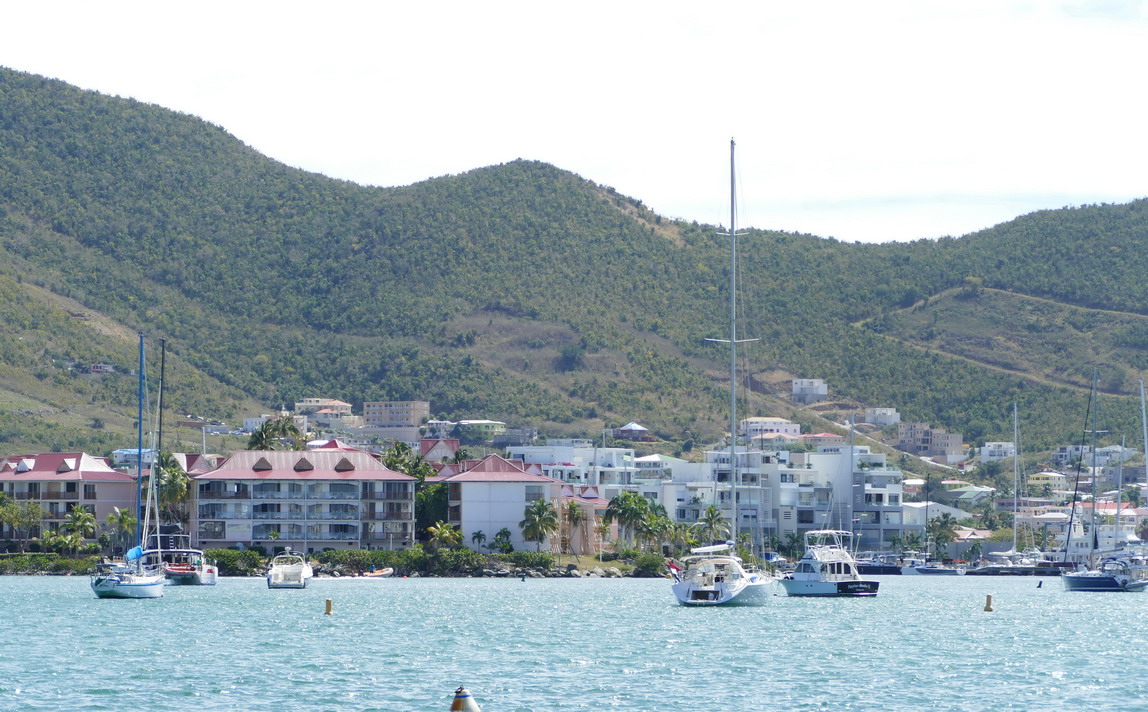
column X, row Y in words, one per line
column 310, row 501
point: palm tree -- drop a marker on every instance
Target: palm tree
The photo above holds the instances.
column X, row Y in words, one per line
column 444, row 535
column 539, row 521
column 279, row 432
column 942, row 529
column 629, row 509
column 478, row 538
column 174, row 486
column 23, row 518
column 501, row 542
column 793, row 545
column 81, row 522
column 712, row 525
column 123, row 527
column 680, row 536
column 575, row 517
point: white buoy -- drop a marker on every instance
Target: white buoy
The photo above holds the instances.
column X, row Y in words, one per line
column 463, row 702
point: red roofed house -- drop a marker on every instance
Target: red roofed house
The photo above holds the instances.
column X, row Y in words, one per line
column 319, row 499
column 493, row 493
column 59, row 481
column 438, row 449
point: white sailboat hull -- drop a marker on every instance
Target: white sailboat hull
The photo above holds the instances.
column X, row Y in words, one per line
column 125, row 585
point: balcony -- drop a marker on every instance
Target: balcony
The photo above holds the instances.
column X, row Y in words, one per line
column 223, row 494
column 278, row 495
column 333, row 495
column 386, row 516
column 278, row 515
column 61, row 495
column 333, row 516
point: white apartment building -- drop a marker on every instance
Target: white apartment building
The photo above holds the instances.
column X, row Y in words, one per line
column 882, row 416
column 758, row 426
column 809, row 390
column 998, row 451
column 580, row 462
column 396, row 413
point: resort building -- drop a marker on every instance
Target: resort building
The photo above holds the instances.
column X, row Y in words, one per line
column 330, row 497
column 60, row 481
column 921, row 440
column 396, row 413
column 580, row 462
column 491, row 494
column 759, row 426
column 313, row 405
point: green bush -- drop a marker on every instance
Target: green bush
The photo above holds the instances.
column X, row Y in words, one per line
column 529, row 559
column 649, row 566
column 232, row 562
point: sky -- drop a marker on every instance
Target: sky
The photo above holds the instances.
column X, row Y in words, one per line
column 866, row 121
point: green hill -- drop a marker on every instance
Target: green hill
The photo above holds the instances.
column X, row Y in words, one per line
column 520, row 292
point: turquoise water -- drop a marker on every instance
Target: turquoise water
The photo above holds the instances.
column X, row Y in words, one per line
column 569, row 644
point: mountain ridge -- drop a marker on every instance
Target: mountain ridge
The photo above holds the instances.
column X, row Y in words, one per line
column 272, row 283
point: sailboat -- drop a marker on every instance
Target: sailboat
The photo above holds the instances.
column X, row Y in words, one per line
column 715, row 575
column 172, row 553
column 133, row 579
column 1123, row 570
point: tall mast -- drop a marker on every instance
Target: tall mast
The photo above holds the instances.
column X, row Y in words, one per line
column 733, row 337
column 139, row 450
column 1015, row 471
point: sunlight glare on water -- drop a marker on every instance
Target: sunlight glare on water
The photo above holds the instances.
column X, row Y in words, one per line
column 569, row 644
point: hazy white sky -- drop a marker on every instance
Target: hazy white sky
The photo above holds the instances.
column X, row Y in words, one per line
column 861, row 120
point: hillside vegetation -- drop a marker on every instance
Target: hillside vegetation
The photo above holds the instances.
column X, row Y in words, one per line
column 519, row 292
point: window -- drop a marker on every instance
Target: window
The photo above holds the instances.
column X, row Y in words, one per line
column 533, row 493
column 89, row 491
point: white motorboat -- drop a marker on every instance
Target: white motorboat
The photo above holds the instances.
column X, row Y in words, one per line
column 1123, row 572
column 827, row 568
column 289, row 570
column 920, row 567
column 715, row 576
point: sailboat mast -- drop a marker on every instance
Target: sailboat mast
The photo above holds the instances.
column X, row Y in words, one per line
column 139, row 449
column 1015, row 471
column 733, row 336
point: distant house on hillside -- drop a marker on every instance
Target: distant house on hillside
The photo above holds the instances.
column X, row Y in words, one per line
column 634, row 432
column 882, row 416
column 809, row 390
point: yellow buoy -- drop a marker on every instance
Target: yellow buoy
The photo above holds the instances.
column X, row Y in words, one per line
column 989, row 603
column 328, row 607
column 463, row 702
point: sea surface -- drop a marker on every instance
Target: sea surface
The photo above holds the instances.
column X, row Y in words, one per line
column 924, row 643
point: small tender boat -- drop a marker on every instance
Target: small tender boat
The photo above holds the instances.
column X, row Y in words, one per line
column 381, row 573
column 289, row 570
column 827, row 568
column 1124, row 572
column 715, row 576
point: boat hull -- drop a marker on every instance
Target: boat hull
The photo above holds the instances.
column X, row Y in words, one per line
column 854, row 588
column 206, row 576
column 1093, row 582
column 753, row 593
column 928, row 571
column 118, row 586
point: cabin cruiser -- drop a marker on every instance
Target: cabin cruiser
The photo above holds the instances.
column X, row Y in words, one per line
column 1122, row 572
column 715, row 576
column 827, row 568
column 289, row 570
column 914, row 566
column 1030, row 562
